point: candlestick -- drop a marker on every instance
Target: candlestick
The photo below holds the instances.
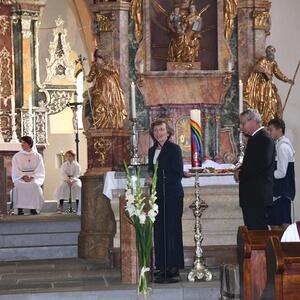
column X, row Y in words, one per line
column 14, row 137
column 240, row 96
column 133, row 104
column 196, row 138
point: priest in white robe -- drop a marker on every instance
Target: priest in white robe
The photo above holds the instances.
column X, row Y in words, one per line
column 70, row 186
column 28, row 175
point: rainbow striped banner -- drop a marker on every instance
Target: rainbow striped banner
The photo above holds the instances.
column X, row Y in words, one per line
column 196, row 138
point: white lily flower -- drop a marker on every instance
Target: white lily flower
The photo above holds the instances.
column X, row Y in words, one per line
column 152, row 214
column 142, row 218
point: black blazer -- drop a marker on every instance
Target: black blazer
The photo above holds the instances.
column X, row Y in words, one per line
column 170, row 169
column 257, row 170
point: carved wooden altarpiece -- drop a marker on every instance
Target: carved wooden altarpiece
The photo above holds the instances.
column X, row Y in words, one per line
column 173, row 91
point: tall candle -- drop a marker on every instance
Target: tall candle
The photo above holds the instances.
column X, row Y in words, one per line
column 133, row 104
column 30, row 104
column 229, row 66
column 196, row 138
column 240, row 96
column 13, row 104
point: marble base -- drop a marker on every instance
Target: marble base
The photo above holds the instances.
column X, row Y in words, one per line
column 98, row 226
column 219, row 222
column 173, row 66
column 107, row 149
column 129, row 257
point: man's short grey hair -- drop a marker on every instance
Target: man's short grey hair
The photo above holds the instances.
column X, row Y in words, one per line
column 252, row 114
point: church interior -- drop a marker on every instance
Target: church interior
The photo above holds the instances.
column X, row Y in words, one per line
column 91, row 76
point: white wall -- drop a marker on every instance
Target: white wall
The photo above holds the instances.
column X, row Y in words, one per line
column 285, row 37
column 60, row 128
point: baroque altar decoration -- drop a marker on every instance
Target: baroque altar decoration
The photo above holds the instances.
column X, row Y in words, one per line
column 142, row 212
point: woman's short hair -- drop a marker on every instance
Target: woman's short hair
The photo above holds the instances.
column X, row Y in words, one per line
column 27, row 139
column 158, row 122
column 70, row 152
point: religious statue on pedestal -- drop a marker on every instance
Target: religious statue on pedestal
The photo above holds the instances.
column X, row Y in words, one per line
column 184, row 25
column 107, row 99
column 261, row 92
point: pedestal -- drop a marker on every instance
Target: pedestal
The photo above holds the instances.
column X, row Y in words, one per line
column 107, row 149
column 129, row 256
column 98, row 225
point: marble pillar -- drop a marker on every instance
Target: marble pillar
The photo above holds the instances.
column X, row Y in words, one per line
column 129, row 256
column 98, row 225
column 6, row 57
column 253, row 27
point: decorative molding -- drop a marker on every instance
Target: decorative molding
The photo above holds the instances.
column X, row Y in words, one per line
column 7, row 2
column 41, row 136
column 59, row 66
column 262, row 20
column 26, row 27
column 4, row 24
column 5, row 75
column 58, row 99
column 102, row 146
column 105, row 22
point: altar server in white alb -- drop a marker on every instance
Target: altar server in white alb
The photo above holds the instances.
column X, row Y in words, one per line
column 70, row 182
column 28, row 175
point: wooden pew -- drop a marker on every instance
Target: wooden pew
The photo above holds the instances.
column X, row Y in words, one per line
column 283, row 269
column 252, row 261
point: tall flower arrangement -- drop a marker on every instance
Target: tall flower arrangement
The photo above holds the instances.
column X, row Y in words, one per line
column 142, row 214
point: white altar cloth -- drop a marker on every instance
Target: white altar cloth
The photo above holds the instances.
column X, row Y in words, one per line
column 111, row 183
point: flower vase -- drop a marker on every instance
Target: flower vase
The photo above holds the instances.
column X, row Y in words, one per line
column 143, row 288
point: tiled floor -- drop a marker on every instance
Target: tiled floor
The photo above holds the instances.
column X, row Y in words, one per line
column 70, row 275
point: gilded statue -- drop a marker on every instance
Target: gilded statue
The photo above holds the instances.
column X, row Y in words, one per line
column 136, row 12
column 261, row 92
column 230, row 12
column 184, row 25
column 107, row 100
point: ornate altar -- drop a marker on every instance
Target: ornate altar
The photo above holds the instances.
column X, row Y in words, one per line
column 182, row 69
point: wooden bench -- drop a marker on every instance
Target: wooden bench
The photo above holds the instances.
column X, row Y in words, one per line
column 283, row 269
column 252, row 261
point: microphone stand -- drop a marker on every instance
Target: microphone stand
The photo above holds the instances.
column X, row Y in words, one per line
column 70, row 210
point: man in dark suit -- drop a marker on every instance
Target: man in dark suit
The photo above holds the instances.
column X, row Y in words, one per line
column 256, row 173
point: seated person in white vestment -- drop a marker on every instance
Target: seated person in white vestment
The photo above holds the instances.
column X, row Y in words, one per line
column 70, row 183
column 28, row 175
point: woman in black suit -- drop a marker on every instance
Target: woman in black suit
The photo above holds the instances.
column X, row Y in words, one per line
column 167, row 227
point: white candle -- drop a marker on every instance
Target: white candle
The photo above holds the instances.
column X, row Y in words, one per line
column 30, row 104
column 13, row 105
column 229, row 67
column 141, row 67
column 240, row 96
column 133, row 104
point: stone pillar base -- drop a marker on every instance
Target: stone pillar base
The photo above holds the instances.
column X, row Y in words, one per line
column 98, row 225
column 107, row 149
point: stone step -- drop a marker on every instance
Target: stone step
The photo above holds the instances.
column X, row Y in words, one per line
column 32, row 253
column 49, row 206
column 44, row 236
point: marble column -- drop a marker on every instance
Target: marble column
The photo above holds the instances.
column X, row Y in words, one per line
column 25, row 16
column 129, row 256
column 253, row 27
column 98, row 225
column 6, row 57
